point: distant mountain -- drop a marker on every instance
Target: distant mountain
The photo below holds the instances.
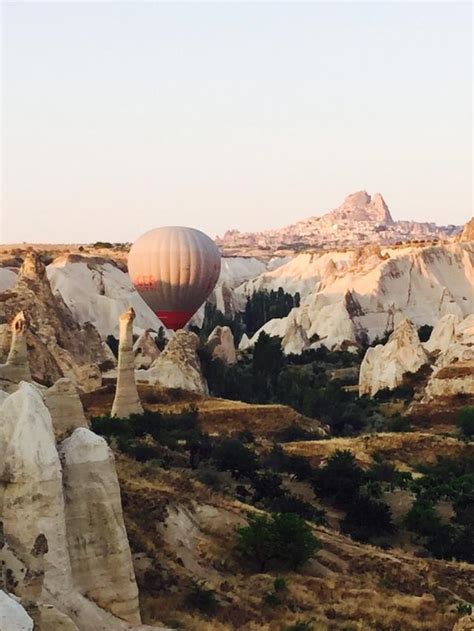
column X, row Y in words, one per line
column 361, row 218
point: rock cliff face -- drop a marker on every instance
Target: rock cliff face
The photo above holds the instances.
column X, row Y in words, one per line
column 126, row 401
column 178, row 366
column 221, row 345
column 57, row 345
column 385, row 366
column 61, row 524
column 96, row 290
column 346, row 297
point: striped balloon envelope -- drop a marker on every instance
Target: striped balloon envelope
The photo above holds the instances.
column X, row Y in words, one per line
column 174, row 269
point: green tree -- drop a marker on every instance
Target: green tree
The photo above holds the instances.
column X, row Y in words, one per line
column 340, row 478
column 367, row 518
column 465, row 421
column 231, row 455
column 282, row 538
column 266, row 365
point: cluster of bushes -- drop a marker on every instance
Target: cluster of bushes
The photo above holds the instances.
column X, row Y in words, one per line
column 143, row 436
column 267, row 376
column 283, row 540
column 452, row 480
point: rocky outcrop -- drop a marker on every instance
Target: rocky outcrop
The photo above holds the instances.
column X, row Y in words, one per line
column 385, row 366
column 453, row 371
column 97, row 540
column 220, row 344
column 65, row 407
column 146, row 350
column 97, row 290
column 13, row 617
column 57, row 345
column 345, row 301
column 17, row 367
column 443, row 334
column 468, row 232
column 31, row 496
column 178, row 366
column 126, row 401
column 63, row 530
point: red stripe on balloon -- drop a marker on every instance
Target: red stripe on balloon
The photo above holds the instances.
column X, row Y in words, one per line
column 175, row 319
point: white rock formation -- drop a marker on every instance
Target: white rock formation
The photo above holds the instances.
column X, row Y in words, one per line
column 97, row 540
column 443, row 334
column 65, row 407
column 146, row 350
column 31, row 494
column 12, row 615
column 221, row 345
column 37, row 499
column 96, row 290
column 17, row 367
column 344, row 297
column 126, row 401
column 178, row 366
column 453, row 371
column 57, row 345
column 384, row 366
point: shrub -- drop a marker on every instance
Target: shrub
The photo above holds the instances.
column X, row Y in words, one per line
column 367, row 518
column 289, row 503
column 282, row 538
column 464, row 609
column 231, row 455
column 279, row 584
column 399, row 424
column 272, row 600
column 465, row 421
column 201, row 598
column 340, row 479
column 294, row 433
column 300, row 626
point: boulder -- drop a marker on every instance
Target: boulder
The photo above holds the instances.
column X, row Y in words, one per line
column 221, row 345
column 178, row 366
column 126, row 401
column 97, row 540
column 146, row 350
column 65, row 407
column 385, row 366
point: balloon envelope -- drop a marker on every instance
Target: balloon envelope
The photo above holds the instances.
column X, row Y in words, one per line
column 174, row 269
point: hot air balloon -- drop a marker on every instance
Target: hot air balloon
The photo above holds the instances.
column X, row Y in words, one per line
column 174, row 269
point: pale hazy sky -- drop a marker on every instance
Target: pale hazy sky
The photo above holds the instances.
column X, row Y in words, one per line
column 119, row 117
